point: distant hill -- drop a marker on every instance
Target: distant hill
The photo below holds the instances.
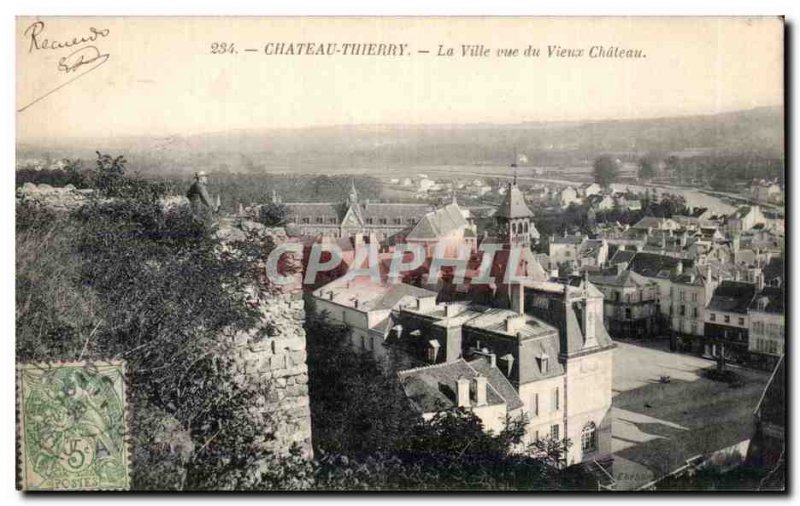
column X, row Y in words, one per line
column 757, row 131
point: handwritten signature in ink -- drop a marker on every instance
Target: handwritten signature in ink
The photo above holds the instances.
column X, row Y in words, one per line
column 84, row 58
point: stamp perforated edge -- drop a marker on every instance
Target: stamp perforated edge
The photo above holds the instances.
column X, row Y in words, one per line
column 126, row 439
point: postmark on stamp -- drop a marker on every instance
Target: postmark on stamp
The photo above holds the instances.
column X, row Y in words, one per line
column 72, row 426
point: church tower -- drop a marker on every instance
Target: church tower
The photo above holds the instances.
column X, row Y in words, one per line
column 514, row 219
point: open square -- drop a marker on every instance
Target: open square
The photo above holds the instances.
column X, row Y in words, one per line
column 658, row 426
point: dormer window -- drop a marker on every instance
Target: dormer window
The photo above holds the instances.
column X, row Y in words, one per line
column 545, row 363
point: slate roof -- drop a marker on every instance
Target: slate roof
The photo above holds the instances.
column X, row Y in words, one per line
column 654, row 265
column 650, row 221
column 500, row 383
column 434, row 388
column 624, row 279
column 439, row 223
column 774, row 270
column 513, row 205
column 590, row 247
column 769, row 300
column 567, row 239
column 732, row 297
column 494, row 320
column 622, row 256
column 371, row 296
column 376, row 211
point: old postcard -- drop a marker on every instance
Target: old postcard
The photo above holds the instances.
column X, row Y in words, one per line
column 400, row 254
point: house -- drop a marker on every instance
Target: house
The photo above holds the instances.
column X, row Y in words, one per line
column 567, row 196
column 766, row 191
column 660, row 269
column 353, row 217
column 591, row 189
column 564, row 249
column 630, row 306
column 744, row 219
column 366, row 307
column 477, row 386
column 726, row 322
column 601, row 202
column 650, row 223
column 592, row 253
column 550, row 347
column 690, row 293
column 767, row 330
column 446, row 228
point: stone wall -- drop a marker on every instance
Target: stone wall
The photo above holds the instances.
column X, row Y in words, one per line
column 270, row 361
column 64, row 198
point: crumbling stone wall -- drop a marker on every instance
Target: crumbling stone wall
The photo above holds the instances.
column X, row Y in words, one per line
column 64, row 198
column 270, row 361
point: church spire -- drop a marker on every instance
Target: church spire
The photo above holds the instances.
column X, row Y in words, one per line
column 353, row 197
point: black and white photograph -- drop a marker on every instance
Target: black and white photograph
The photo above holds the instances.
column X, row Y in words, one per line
column 400, row 254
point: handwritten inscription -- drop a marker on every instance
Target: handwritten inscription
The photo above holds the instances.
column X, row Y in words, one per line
column 39, row 42
column 80, row 57
column 83, row 57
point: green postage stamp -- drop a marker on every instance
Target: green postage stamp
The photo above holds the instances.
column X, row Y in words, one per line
column 72, row 426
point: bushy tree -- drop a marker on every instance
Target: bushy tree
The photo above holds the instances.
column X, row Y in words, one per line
column 605, row 170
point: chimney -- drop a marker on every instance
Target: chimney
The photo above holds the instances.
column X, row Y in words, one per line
column 355, row 303
column 518, row 298
column 508, row 363
column 480, row 390
column 679, row 268
column 463, row 392
column 515, row 323
column 493, row 357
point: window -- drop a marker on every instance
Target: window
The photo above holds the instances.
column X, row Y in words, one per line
column 536, row 435
column 369, row 221
column 306, row 220
column 741, row 321
column 683, row 310
column 589, row 437
column 319, row 219
column 567, row 254
column 627, row 313
column 332, row 221
column 682, row 295
column 712, row 317
column 556, row 399
column 410, row 221
column 535, row 405
column 694, row 297
column 382, row 221
column 398, row 221
column 554, row 432
column 545, row 364
column 727, row 319
column 694, row 312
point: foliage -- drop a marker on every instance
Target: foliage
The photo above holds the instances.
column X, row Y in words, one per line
column 355, row 408
column 273, row 215
column 647, row 167
column 126, row 278
column 605, row 170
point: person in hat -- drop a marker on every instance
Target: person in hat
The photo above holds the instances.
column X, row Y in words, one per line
column 199, row 199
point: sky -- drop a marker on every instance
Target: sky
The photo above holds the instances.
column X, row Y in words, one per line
column 161, row 78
